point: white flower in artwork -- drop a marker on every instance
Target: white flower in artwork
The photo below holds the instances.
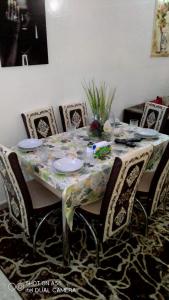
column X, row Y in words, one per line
column 76, row 119
column 166, row 31
column 151, row 119
column 167, row 17
column 43, row 128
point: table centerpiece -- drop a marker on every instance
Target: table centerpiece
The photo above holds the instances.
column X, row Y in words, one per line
column 100, row 101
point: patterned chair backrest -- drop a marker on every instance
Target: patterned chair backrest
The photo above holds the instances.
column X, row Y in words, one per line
column 154, row 116
column 117, row 204
column 160, row 183
column 19, row 200
column 40, row 123
column 75, row 114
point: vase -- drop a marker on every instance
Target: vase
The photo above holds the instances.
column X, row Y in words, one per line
column 96, row 127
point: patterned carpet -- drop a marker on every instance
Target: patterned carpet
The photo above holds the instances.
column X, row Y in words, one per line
column 135, row 268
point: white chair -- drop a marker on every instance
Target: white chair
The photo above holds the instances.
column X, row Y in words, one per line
column 73, row 114
column 154, row 116
column 40, row 123
column 29, row 204
column 114, row 212
column 154, row 187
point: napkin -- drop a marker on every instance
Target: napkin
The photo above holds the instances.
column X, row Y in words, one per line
column 102, row 149
column 99, row 145
column 107, row 126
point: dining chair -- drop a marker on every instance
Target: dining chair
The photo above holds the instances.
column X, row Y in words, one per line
column 30, row 204
column 154, row 116
column 153, row 188
column 40, row 123
column 114, row 211
column 73, row 114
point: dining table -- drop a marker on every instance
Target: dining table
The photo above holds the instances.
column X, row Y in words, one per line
column 88, row 184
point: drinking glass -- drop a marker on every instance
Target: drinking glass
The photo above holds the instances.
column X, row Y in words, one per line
column 87, row 155
column 112, row 120
column 43, row 154
column 133, row 124
column 71, row 128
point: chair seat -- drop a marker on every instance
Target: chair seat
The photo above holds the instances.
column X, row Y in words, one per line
column 93, row 208
column 144, row 185
column 41, row 197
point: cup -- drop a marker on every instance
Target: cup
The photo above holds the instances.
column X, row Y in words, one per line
column 87, row 155
column 112, row 120
column 118, row 132
column 71, row 128
column 43, row 154
column 133, row 124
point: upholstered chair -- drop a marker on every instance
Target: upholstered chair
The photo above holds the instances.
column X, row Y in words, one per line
column 40, row 123
column 29, row 204
column 153, row 188
column 154, row 116
column 114, row 211
column 73, row 114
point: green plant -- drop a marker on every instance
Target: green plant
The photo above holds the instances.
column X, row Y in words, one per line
column 100, row 100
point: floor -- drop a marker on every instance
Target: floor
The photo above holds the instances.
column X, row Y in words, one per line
column 6, row 289
column 7, row 292
column 130, row 269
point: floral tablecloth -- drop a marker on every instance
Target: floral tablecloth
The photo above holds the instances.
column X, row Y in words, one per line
column 88, row 184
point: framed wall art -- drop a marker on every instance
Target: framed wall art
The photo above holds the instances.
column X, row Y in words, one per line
column 160, row 40
column 23, row 38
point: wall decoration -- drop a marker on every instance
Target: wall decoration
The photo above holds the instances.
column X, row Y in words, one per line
column 23, row 39
column 160, row 42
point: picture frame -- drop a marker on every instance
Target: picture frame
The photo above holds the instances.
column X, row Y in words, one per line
column 160, row 39
column 23, row 34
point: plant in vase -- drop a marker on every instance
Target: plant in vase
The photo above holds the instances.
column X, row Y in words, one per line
column 96, row 127
column 100, row 101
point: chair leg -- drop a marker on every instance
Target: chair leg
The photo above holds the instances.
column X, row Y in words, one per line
column 146, row 216
column 38, row 228
column 96, row 241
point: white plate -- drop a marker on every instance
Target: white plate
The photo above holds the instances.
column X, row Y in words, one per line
column 147, row 133
column 28, row 144
column 65, row 165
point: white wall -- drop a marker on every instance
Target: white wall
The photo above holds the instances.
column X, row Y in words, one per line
column 106, row 40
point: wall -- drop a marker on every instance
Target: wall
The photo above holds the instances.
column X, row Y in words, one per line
column 106, row 40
